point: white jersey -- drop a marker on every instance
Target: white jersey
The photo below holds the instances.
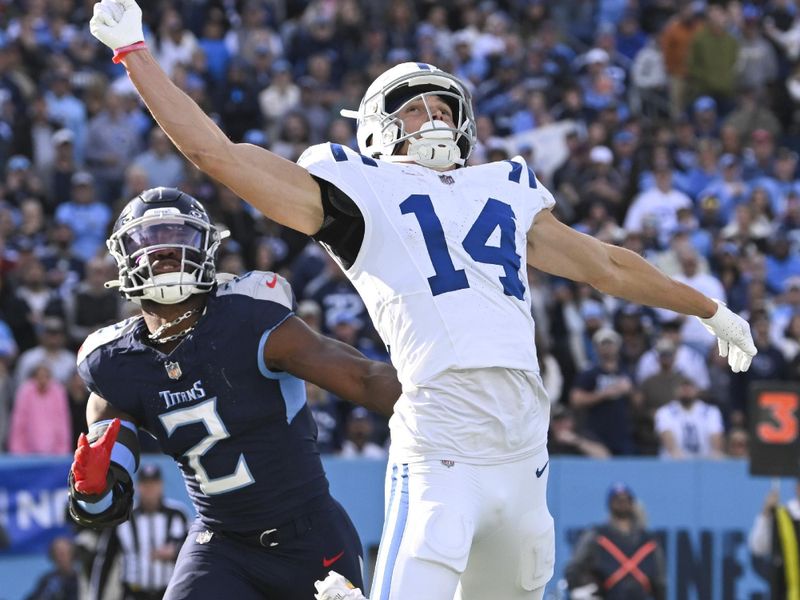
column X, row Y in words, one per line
column 442, row 272
column 692, row 429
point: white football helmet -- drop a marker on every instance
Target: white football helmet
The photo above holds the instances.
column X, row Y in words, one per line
column 380, row 131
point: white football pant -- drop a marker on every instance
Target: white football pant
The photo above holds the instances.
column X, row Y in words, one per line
column 465, row 532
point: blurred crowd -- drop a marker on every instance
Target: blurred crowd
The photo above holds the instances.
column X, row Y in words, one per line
column 679, row 133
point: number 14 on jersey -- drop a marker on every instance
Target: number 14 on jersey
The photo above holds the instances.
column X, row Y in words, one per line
column 446, row 277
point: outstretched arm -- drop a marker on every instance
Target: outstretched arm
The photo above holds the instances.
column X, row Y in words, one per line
column 560, row 250
column 279, row 188
column 295, row 348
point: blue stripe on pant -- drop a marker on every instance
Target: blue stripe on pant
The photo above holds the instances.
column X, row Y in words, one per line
column 392, row 533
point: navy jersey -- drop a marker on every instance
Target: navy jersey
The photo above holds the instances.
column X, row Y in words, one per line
column 242, row 435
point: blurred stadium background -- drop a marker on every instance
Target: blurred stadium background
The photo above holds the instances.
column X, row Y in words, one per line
column 666, row 126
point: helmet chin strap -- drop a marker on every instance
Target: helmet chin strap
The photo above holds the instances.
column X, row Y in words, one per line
column 434, row 147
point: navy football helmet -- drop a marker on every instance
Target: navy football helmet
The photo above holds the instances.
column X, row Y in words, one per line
column 156, row 220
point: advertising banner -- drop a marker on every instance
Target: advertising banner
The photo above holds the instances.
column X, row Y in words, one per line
column 33, row 501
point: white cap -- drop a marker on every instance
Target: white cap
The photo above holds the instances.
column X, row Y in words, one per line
column 62, row 136
column 596, row 55
column 462, row 36
column 308, row 308
column 606, row 334
column 602, row 155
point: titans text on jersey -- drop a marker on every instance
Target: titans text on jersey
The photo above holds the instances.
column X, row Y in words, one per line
column 196, row 392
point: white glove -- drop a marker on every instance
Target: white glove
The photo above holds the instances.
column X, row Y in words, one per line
column 733, row 337
column 117, row 23
column 585, row 592
column 337, row 587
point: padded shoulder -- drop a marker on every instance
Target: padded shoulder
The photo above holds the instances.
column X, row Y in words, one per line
column 260, row 285
column 522, row 173
column 320, row 154
column 106, row 335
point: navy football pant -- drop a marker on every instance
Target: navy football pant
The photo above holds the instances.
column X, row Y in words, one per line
column 226, row 568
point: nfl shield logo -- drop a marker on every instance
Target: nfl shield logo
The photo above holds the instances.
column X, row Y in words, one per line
column 204, row 537
column 446, row 179
column 173, row 370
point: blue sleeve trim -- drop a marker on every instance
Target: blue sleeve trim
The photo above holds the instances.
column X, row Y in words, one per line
column 262, row 366
column 531, row 179
column 95, row 508
column 120, row 453
column 293, row 389
column 338, row 153
column 370, row 162
column 122, row 422
column 516, row 171
column 294, row 395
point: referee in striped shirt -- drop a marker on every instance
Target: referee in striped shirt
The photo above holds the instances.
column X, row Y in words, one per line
column 151, row 539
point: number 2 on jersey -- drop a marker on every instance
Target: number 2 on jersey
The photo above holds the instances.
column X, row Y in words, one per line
column 206, row 413
column 446, row 277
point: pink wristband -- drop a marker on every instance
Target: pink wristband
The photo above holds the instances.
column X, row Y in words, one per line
column 121, row 53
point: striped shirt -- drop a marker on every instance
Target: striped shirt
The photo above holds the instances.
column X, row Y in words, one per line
column 143, row 534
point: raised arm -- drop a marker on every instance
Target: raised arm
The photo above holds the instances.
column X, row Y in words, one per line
column 295, row 348
column 279, row 188
column 560, row 250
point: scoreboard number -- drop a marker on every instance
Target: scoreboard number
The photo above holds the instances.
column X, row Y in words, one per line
column 775, row 429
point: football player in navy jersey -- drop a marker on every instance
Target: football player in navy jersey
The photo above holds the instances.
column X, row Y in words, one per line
column 213, row 369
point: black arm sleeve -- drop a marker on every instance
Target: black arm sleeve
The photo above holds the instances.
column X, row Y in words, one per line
column 342, row 229
column 118, row 481
column 121, row 501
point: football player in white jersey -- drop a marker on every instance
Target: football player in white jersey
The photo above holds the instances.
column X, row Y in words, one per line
column 436, row 251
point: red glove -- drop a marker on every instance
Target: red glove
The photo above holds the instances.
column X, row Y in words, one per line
column 90, row 467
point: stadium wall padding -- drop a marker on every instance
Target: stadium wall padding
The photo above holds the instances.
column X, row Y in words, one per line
column 702, row 511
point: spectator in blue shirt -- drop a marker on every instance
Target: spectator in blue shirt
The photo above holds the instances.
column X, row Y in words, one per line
column 630, row 37
column 730, row 189
column 604, row 392
column 112, row 140
column 782, row 182
column 213, row 45
column 87, row 217
column 704, row 117
column 781, row 263
column 163, row 166
column 705, row 170
column 65, row 108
